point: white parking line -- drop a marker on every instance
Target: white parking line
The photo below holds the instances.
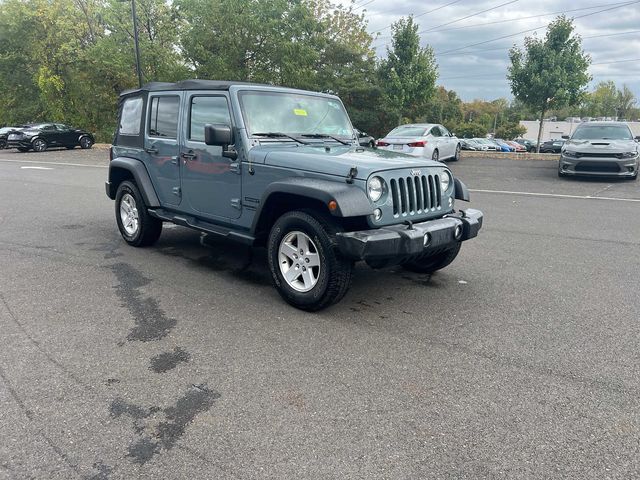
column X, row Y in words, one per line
column 36, row 168
column 7, row 160
column 556, row 195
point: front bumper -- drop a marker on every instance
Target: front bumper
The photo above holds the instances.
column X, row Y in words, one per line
column 19, row 144
column 599, row 166
column 396, row 243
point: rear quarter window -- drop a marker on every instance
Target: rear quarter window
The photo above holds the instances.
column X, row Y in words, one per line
column 130, row 117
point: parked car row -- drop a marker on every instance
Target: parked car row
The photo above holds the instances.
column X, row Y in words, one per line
column 497, row 145
column 42, row 136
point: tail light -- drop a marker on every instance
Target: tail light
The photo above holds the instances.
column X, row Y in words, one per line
column 380, row 143
column 421, row 143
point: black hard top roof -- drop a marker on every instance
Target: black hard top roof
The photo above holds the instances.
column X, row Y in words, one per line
column 189, row 85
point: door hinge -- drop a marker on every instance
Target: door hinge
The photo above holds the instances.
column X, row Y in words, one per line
column 234, row 167
column 235, row 203
column 177, row 191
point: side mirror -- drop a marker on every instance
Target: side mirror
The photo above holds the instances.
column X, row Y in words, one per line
column 451, row 134
column 638, row 138
column 218, row 134
column 565, row 137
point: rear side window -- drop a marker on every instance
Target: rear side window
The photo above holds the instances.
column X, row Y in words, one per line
column 130, row 118
column 207, row 110
column 163, row 118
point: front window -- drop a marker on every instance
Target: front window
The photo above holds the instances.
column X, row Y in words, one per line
column 603, row 132
column 294, row 114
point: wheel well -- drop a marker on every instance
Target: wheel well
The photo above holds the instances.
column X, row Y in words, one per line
column 118, row 175
column 280, row 203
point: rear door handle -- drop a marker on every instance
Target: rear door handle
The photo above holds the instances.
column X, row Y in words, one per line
column 152, row 150
column 189, row 156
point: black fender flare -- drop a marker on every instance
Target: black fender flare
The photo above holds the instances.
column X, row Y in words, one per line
column 351, row 200
column 461, row 192
column 140, row 175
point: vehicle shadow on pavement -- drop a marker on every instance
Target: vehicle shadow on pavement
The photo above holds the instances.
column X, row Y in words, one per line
column 249, row 264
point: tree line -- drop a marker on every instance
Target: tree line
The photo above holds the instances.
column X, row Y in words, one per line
column 67, row 61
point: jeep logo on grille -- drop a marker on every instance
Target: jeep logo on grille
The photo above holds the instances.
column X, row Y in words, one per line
column 416, row 173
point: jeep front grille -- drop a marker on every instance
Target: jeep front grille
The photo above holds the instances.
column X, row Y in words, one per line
column 415, row 194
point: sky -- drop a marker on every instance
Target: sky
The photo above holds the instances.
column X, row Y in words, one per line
column 610, row 31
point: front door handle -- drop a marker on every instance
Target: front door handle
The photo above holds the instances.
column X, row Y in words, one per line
column 153, row 150
column 188, row 156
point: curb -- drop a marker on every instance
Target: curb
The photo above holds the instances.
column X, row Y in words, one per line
column 510, row 155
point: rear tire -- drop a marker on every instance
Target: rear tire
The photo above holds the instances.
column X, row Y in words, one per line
column 433, row 263
column 306, row 266
column 435, row 156
column 456, row 156
column 137, row 227
column 3, row 144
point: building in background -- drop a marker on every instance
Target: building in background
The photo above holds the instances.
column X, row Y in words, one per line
column 555, row 130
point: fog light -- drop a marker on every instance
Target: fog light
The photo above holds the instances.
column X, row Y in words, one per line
column 427, row 239
column 377, row 214
column 458, row 232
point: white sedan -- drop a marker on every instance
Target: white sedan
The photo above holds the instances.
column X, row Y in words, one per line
column 422, row 140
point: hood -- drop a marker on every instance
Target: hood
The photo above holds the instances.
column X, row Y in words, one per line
column 592, row 146
column 338, row 160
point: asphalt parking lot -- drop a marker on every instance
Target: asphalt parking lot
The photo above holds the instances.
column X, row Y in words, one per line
column 180, row 361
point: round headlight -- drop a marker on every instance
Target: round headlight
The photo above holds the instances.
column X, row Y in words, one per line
column 445, row 180
column 375, row 188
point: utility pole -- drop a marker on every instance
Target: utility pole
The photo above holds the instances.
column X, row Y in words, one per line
column 135, row 40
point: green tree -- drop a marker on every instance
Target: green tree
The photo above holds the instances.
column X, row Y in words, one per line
column 445, row 107
column 626, row 102
column 550, row 72
column 470, row 130
column 408, row 74
column 510, row 130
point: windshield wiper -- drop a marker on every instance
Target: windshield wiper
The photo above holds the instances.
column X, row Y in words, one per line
column 279, row 135
column 322, row 135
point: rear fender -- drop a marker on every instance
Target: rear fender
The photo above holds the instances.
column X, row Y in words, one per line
column 137, row 170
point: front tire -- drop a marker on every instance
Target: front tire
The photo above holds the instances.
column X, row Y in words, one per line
column 433, row 263
column 306, row 266
column 39, row 145
column 137, row 227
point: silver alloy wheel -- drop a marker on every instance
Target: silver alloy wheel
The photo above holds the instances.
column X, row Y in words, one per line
column 85, row 142
column 129, row 214
column 457, row 152
column 299, row 261
column 39, row 145
column 435, row 156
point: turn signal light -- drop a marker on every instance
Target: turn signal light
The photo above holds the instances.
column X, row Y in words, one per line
column 421, row 143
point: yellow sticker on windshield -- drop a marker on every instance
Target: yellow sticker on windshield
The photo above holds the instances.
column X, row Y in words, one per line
column 300, row 112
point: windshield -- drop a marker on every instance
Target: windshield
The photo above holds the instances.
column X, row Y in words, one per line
column 407, row 131
column 294, row 114
column 603, row 132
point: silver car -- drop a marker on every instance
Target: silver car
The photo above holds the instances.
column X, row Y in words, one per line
column 422, row 140
column 600, row 148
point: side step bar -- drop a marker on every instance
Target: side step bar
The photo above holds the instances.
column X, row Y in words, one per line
column 201, row 225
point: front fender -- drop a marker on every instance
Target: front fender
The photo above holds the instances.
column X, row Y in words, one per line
column 138, row 171
column 460, row 190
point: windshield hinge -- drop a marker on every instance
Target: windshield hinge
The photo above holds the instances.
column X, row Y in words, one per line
column 352, row 174
column 235, row 203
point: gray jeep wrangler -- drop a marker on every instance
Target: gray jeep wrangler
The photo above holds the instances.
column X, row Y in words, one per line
column 280, row 168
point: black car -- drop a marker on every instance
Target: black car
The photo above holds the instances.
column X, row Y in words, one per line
column 552, row 146
column 4, row 133
column 41, row 136
column 364, row 139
